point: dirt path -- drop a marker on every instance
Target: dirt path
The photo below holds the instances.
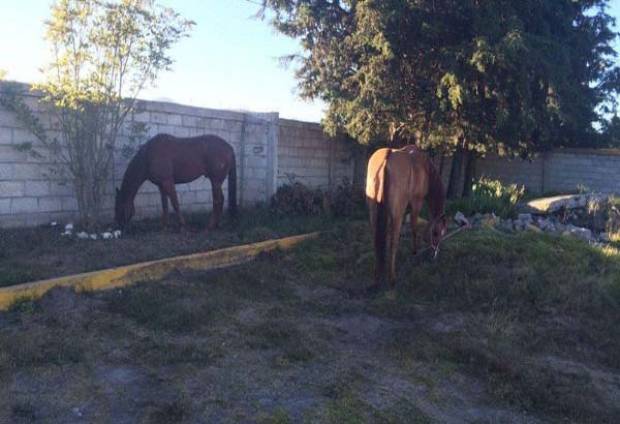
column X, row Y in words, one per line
column 253, row 366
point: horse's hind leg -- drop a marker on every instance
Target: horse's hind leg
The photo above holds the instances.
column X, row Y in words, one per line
column 379, row 252
column 164, row 206
column 394, row 228
column 218, row 204
column 171, row 191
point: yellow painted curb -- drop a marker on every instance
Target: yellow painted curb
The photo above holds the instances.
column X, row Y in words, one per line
column 148, row 271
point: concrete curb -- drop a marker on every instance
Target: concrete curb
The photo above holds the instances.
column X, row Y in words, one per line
column 148, row 271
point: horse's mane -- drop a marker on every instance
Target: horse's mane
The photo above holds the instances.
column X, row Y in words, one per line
column 436, row 192
column 135, row 173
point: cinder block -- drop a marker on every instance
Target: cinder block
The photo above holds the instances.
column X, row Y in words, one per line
column 58, row 188
column 174, row 119
column 31, row 171
column 5, row 206
column 21, row 135
column 7, row 171
column 6, row 135
column 69, row 204
column 159, row 118
column 11, row 188
column 8, row 119
column 37, row 188
column 49, row 204
column 24, row 205
column 9, row 154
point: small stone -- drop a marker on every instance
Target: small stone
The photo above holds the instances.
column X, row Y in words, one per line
column 69, row 227
column 53, row 224
column 578, row 232
column 460, row 219
column 93, row 236
column 107, row 235
column 117, row 234
column 82, row 235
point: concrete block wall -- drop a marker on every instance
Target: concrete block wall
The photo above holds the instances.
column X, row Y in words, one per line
column 560, row 170
column 270, row 152
column 307, row 155
column 31, row 194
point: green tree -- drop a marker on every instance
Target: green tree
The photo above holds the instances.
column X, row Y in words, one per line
column 104, row 54
column 463, row 76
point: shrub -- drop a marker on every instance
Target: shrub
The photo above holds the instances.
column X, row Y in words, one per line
column 490, row 196
column 346, row 200
column 296, row 199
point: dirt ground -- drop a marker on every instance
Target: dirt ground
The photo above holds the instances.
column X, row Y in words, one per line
column 491, row 332
column 30, row 254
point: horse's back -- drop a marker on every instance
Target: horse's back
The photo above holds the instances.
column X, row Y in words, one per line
column 187, row 158
column 407, row 172
column 375, row 174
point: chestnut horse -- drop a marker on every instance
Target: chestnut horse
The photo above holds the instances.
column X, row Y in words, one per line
column 166, row 160
column 398, row 178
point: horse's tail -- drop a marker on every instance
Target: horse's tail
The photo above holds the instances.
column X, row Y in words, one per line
column 377, row 191
column 232, row 187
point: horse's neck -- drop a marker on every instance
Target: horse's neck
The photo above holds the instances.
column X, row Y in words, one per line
column 134, row 177
column 436, row 192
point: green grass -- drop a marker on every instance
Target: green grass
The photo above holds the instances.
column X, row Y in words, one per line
column 513, row 291
column 503, row 305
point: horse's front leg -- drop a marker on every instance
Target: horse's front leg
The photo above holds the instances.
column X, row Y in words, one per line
column 171, row 191
column 416, row 205
column 164, row 207
column 218, row 204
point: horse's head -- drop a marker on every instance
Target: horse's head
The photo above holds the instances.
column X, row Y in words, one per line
column 123, row 209
column 438, row 228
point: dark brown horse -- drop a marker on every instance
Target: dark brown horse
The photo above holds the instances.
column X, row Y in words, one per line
column 397, row 179
column 166, row 160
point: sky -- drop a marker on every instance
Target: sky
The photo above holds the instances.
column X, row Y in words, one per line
column 230, row 60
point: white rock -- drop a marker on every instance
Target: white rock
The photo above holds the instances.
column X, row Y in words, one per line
column 69, row 227
column 53, row 223
column 117, row 233
column 579, row 232
column 82, row 235
column 106, row 235
column 93, row 236
column 460, row 219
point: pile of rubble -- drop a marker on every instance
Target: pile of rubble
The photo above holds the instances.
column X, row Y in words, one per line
column 590, row 217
